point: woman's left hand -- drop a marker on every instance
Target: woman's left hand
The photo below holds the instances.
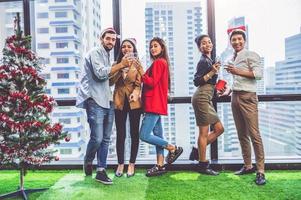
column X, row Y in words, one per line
column 216, row 67
column 133, row 97
column 138, row 66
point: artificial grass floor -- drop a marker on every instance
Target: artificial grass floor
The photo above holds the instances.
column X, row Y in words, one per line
column 173, row 185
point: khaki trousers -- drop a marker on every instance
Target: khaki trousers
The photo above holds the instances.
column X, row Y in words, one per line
column 245, row 113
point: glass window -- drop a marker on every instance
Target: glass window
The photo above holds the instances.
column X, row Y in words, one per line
column 45, row 60
column 170, row 24
column 43, row 45
column 65, row 120
column 61, row 29
column 278, row 44
column 63, row 75
column 74, row 15
column 65, row 151
column 42, row 15
column 7, row 14
column 279, row 73
column 60, row 14
column 43, row 30
column 48, row 91
column 63, row 91
column 46, row 76
column 60, row 45
column 62, row 60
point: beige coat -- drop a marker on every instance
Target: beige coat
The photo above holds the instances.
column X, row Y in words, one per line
column 125, row 87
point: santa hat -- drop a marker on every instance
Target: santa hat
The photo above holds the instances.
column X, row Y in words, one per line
column 131, row 40
column 237, row 30
column 106, row 30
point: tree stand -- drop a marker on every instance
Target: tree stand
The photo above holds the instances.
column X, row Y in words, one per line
column 22, row 192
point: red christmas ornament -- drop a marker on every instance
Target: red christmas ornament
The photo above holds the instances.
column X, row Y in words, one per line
column 67, row 139
column 57, row 158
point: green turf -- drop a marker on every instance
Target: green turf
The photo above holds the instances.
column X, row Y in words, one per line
column 9, row 180
column 173, row 185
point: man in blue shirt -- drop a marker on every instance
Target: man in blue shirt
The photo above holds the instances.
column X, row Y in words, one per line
column 95, row 96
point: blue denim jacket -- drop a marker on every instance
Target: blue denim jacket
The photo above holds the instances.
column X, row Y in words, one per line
column 94, row 81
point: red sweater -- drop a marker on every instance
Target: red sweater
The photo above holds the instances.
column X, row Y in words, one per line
column 155, row 87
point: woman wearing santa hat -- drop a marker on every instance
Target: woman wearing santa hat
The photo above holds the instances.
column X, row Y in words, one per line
column 127, row 103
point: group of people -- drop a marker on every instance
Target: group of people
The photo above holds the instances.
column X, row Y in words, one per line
column 144, row 93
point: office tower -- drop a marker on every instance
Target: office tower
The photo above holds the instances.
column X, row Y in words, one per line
column 283, row 123
column 269, row 76
column 64, row 31
column 9, row 11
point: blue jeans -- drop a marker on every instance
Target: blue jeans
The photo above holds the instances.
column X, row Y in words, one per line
column 100, row 121
column 152, row 123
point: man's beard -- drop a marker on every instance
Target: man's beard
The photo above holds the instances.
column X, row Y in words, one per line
column 108, row 48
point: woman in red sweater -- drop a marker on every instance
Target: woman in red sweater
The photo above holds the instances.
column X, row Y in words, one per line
column 156, row 83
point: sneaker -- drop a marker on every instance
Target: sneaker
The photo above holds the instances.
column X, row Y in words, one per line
column 260, row 179
column 172, row 156
column 194, row 155
column 205, row 168
column 88, row 168
column 102, row 177
column 244, row 170
column 156, row 171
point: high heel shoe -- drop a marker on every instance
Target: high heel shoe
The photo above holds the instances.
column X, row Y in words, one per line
column 131, row 174
column 118, row 173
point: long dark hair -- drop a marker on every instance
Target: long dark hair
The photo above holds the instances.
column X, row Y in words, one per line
column 163, row 54
column 120, row 54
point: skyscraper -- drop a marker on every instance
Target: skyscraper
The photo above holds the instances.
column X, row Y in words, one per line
column 282, row 127
column 64, row 31
column 9, row 11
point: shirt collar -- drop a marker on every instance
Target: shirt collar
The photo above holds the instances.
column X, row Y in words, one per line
column 205, row 56
column 240, row 52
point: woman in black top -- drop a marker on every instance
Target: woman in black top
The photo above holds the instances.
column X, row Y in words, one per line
column 205, row 114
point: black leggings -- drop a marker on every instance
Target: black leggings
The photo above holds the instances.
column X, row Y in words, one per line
column 120, row 121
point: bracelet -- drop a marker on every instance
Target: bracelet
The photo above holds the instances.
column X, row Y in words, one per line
column 208, row 76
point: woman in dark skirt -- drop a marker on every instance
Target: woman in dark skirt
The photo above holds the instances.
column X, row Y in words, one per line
column 205, row 114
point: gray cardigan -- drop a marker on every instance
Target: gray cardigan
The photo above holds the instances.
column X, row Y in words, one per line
column 94, row 81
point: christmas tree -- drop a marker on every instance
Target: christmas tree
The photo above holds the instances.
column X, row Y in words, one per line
column 25, row 127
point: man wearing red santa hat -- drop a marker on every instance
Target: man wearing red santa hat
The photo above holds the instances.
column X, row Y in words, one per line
column 246, row 71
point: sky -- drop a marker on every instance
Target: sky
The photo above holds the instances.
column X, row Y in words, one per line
column 269, row 22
